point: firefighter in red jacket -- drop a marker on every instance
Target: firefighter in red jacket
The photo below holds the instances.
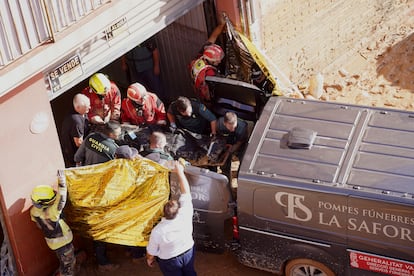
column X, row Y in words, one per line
column 206, row 64
column 105, row 99
column 142, row 108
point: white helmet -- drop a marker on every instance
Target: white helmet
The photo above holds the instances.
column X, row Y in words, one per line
column 136, row 92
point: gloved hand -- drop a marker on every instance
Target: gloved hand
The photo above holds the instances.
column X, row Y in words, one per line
column 213, row 137
column 173, row 128
column 183, row 162
column 61, row 178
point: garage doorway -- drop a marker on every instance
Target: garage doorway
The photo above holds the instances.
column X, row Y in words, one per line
column 178, row 44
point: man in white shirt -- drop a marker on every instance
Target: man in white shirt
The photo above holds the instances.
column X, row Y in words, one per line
column 171, row 241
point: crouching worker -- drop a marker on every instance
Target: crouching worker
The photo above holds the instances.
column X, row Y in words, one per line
column 46, row 212
column 171, row 241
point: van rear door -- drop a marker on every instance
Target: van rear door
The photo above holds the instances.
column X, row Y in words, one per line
column 211, row 199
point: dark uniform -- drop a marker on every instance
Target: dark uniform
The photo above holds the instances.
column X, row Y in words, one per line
column 240, row 134
column 156, row 155
column 198, row 122
column 96, row 148
column 74, row 125
column 141, row 67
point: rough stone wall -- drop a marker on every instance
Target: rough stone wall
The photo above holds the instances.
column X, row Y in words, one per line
column 364, row 49
column 304, row 37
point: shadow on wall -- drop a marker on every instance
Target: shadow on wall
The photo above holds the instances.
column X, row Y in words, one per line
column 396, row 64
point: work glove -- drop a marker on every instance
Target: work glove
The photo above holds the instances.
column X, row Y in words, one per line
column 173, row 128
column 61, row 178
column 213, row 137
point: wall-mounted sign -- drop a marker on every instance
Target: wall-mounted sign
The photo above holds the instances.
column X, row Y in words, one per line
column 67, row 72
column 116, row 29
column 380, row 264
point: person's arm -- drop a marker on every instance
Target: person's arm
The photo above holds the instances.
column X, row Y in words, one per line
column 62, row 190
column 209, row 116
column 236, row 146
column 171, row 117
column 150, row 260
column 124, row 64
column 156, row 61
column 213, row 125
column 182, row 179
column 160, row 115
column 241, row 135
column 115, row 103
column 78, row 141
column 216, row 32
column 80, row 155
column 96, row 119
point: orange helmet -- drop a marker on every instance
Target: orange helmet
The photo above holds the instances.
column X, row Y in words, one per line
column 136, row 92
column 213, row 53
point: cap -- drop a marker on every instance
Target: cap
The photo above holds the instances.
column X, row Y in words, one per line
column 126, row 152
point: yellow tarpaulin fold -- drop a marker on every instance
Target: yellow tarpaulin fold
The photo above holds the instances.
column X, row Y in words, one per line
column 118, row 202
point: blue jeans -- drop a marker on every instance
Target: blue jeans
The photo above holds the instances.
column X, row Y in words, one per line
column 182, row 265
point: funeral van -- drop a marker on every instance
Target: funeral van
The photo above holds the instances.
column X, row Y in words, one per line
column 323, row 189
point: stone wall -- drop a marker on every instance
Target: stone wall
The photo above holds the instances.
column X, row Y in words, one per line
column 305, row 37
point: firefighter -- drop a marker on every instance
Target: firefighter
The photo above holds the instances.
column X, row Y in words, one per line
column 142, row 108
column 206, row 64
column 47, row 213
column 105, row 99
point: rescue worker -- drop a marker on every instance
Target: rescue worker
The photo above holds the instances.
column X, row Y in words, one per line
column 75, row 127
column 191, row 115
column 156, row 151
column 99, row 148
column 235, row 131
column 171, row 241
column 105, row 99
column 47, row 213
column 143, row 65
column 142, row 108
column 206, row 64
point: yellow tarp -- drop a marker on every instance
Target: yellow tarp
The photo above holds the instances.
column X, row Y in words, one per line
column 118, row 202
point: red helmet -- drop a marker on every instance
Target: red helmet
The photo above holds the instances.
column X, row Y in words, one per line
column 136, row 92
column 213, row 53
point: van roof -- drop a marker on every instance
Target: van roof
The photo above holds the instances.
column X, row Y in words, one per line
column 357, row 147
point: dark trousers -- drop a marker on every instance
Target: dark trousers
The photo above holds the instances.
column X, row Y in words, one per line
column 100, row 252
column 182, row 265
column 66, row 256
column 137, row 251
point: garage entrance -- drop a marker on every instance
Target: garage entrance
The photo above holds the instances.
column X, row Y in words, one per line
column 178, row 43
